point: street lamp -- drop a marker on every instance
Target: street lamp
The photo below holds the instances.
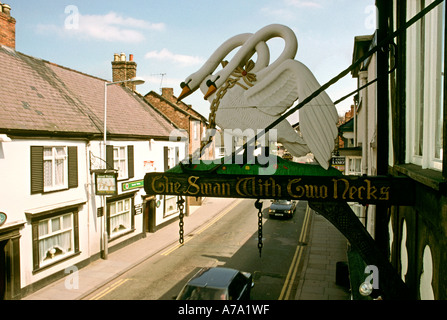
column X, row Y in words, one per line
column 104, row 240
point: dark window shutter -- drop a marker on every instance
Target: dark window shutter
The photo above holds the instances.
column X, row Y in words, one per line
column 109, row 158
column 76, row 231
column 165, row 157
column 130, row 162
column 37, row 183
column 35, row 233
column 73, row 167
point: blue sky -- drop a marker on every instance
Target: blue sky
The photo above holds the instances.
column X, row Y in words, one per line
column 174, row 38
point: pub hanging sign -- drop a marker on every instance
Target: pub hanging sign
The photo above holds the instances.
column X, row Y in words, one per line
column 362, row 189
column 106, row 183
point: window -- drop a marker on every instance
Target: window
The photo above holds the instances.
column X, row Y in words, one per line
column 354, row 166
column 120, row 216
column 53, row 168
column 171, row 157
column 120, row 161
column 55, row 237
column 121, row 158
column 425, row 86
column 196, row 129
column 170, row 206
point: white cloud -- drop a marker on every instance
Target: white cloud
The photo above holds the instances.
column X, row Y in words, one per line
column 286, row 9
column 303, row 4
column 182, row 60
column 109, row 27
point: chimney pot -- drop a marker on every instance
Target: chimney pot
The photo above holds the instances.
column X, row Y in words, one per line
column 116, row 57
column 123, row 57
column 6, row 9
column 131, row 57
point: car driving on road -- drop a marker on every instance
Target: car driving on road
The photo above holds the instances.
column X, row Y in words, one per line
column 282, row 208
column 218, row 284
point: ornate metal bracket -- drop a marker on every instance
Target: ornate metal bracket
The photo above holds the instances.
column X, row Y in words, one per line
column 345, row 220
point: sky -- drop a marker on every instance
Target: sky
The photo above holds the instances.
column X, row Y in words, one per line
column 171, row 39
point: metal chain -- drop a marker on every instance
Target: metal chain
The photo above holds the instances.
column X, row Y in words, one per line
column 230, row 83
column 181, row 206
column 258, row 205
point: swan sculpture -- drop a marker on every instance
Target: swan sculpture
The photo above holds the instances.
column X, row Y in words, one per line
column 247, row 95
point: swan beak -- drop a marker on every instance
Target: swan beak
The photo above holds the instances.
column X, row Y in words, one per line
column 185, row 92
column 211, row 90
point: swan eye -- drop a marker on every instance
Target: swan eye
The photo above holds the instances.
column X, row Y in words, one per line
column 210, row 83
column 185, row 84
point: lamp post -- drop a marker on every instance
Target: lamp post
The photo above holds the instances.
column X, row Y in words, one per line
column 104, row 235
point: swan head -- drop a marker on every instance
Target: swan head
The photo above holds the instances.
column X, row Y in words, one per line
column 209, row 87
column 207, row 84
column 190, row 85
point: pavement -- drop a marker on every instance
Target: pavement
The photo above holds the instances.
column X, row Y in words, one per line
column 317, row 281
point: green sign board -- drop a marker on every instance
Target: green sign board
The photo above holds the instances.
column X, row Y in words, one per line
column 362, row 189
column 126, row 186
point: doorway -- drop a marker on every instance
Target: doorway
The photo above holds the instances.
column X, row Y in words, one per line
column 3, row 268
column 149, row 216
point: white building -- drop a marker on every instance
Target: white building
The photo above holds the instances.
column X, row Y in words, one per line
column 51, row 149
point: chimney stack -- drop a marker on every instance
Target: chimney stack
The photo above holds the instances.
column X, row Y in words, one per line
column 124, row 70
column 7, row 27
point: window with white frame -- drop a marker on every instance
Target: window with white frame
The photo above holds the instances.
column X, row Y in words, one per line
column 354, row 166
column 120, row 161
column 120, row 217
column 55, row 238
column 172, row 157
column 170, row 206
column 196, row 129
column 55, row 168
column 425, row 86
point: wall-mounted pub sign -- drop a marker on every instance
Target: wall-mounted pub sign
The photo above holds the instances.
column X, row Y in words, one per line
column 106, row 183
column 315, row 188
column 3, row 218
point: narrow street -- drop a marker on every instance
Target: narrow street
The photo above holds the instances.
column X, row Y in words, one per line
column 230, row 240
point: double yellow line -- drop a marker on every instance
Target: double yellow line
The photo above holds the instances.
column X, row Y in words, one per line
column 288, row 284
column 199, row 231
column 109, row 289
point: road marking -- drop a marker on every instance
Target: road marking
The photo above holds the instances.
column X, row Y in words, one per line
column 291, row 275
column 199, row 231
column 109, row 289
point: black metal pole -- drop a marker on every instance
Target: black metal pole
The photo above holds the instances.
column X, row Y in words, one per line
column 382, row 102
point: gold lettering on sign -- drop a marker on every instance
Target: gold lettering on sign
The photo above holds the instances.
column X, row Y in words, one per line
column 343, row 189
column 207, row 188
column 297, row 190
column 165, row 186
column 192, row 184
column 250, row 187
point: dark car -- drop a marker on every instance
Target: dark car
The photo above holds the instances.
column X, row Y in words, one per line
column 282, row 208
column 218, row 284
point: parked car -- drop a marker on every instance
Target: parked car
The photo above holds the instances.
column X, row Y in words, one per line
column 282, row 208
column 218, row 284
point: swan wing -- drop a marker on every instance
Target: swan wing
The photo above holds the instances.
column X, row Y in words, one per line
column 318, row 118
column 276, row 92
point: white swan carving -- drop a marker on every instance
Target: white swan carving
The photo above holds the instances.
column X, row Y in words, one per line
column 271, row 90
